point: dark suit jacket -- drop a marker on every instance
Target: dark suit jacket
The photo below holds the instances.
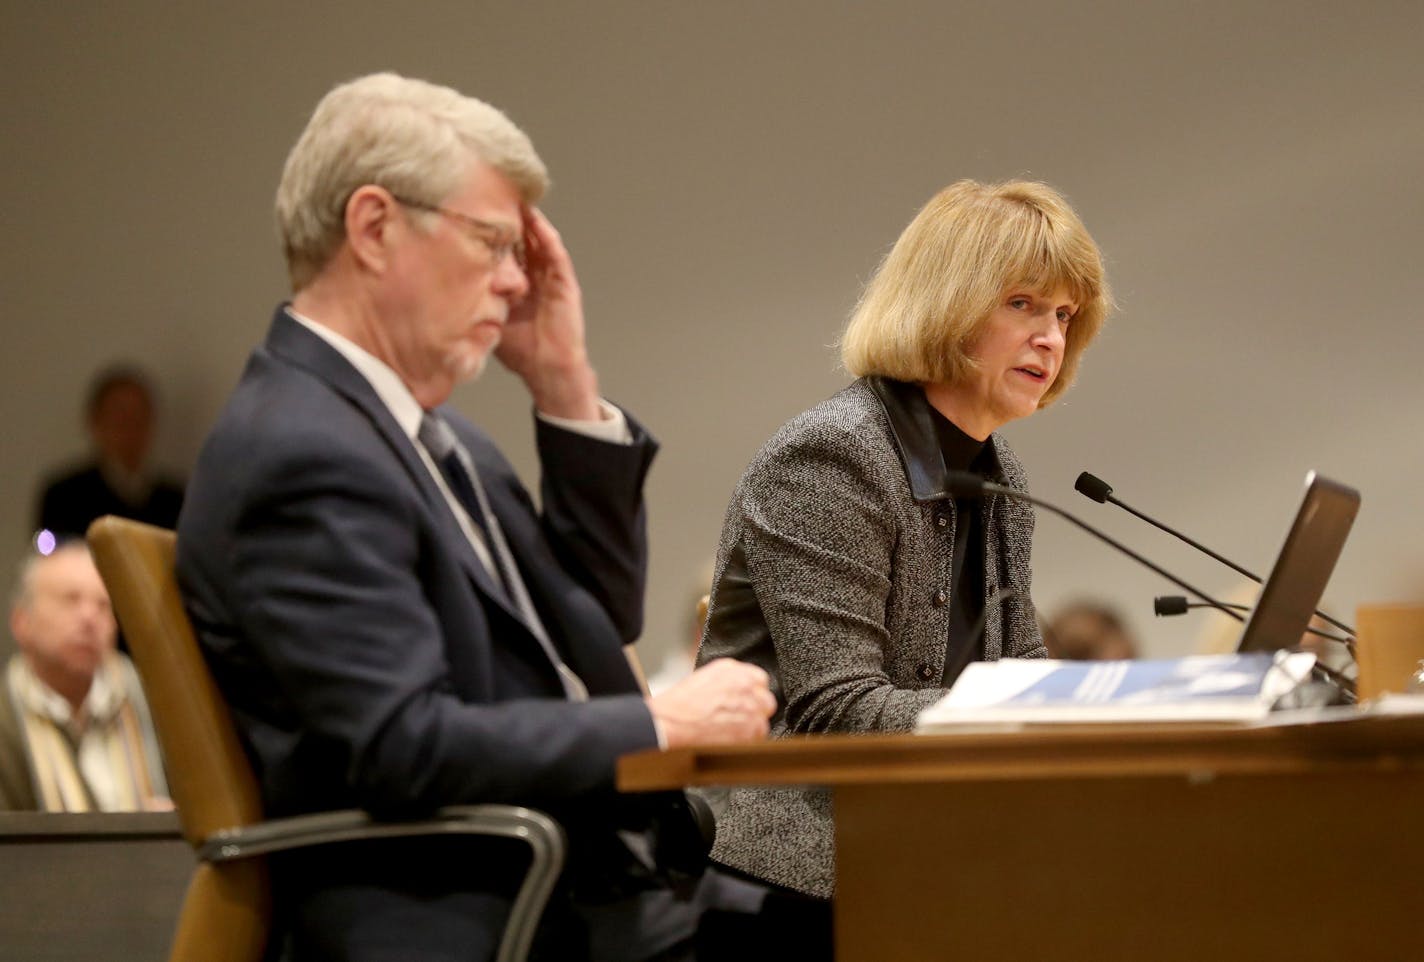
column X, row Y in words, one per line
column 368, row 657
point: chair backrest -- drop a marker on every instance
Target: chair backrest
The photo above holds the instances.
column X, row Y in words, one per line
column 1388, row 648
column 209, row 775
column 227, row 912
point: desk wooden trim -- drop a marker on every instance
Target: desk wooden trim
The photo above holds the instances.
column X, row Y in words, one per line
column 1083, row 751
column 88, row 826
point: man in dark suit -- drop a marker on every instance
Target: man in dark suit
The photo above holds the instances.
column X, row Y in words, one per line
column 394, row 623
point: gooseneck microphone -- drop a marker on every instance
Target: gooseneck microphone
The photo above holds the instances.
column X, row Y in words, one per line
column 963, row 484
column 1094, row 487
column 1163, row 605
column 1097, row 489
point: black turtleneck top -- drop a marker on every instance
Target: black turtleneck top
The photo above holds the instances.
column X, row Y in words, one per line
column 966, row 588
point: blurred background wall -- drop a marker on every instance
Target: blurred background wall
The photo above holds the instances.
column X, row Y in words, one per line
column 727, row 175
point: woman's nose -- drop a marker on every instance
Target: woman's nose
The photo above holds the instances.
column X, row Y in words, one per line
column 1050, row 333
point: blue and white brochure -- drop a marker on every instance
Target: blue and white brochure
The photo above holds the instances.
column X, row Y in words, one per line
column 1240, row 687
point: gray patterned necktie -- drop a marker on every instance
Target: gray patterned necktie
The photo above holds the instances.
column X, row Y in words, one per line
column 458, row 468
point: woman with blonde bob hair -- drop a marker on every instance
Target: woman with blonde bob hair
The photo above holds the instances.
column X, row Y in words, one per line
column 848, row 568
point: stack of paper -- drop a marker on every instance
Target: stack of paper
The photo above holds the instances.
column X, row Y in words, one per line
column 1196, row 688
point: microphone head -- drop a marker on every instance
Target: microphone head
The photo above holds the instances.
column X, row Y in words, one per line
column 963, row 484
column 1168, row 604
column 1094, row 487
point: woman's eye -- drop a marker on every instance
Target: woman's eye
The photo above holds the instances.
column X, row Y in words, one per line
column 1064, row 317
column 1018, row 303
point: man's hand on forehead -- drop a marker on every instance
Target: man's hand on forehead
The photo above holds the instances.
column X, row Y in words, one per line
column 543, row 342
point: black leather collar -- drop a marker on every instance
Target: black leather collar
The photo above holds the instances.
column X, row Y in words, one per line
column 916, row 441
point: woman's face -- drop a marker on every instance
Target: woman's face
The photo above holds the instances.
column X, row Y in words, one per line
column 1020, row 353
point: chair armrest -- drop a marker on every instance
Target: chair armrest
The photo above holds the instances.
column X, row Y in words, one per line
column 544, row 836
column 301, row 831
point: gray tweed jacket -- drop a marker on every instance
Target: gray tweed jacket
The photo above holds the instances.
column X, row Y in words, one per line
column 833, row 574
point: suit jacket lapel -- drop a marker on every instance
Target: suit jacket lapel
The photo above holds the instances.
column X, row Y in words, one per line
column 598, row 658
column 292, row 342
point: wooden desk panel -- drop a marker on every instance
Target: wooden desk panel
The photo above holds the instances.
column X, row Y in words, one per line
column 1165, row 869
column 1142, row 842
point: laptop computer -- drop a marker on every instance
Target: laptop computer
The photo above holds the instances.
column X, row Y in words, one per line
column 1303, row 567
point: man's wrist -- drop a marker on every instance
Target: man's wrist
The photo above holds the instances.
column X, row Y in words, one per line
column 570, row 393
column 658, row 729
column 611, row 425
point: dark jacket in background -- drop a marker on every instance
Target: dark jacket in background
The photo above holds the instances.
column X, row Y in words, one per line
column 69, row 502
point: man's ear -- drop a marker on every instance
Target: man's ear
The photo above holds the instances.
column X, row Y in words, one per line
column 20, row 626
column 371, row 214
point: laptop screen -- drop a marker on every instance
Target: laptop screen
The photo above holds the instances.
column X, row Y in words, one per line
column 1303, row 567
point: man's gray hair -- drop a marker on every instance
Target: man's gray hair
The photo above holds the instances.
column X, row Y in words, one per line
column 414, row 138
column 23, row 586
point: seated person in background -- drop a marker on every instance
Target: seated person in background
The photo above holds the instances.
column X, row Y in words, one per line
column 75, row 735
column 1219, row 634
column 679, row 662
column 1088, row 631
column 393, row 621
column 847, row 568
column 118, row 416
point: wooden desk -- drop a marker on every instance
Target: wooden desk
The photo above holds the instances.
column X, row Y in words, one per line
column 1102, row 843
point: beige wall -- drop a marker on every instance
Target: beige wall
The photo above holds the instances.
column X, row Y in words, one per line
column 727, row 175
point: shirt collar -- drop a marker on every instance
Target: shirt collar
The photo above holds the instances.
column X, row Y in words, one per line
column 383, row 379
column 102, row 702
column 918, row 443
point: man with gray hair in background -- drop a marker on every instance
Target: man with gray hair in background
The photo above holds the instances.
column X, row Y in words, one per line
column 75, row 733
column 393, row 621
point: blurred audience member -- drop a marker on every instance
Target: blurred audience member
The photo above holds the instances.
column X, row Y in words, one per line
column 75, row 734
column 1217, row 632
column 119, row 417
column 681, row 660
column 1088, row 631
column 1220, row 633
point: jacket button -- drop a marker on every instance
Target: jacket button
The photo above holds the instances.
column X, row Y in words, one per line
column 925, row 671
column 941, row 598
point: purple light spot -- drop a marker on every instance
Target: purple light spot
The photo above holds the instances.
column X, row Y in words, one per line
column 45, row 541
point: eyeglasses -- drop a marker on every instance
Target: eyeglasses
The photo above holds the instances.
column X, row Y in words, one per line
column 501, row 245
